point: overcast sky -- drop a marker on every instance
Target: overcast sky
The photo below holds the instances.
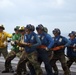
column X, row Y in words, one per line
column 51, row 13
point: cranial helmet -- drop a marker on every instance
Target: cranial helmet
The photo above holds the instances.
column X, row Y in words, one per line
column 56, row 30
column 40, row 26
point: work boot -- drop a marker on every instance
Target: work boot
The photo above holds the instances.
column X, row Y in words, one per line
column 11, row 70
column 8, row 71
column 15, row 73
column 26, row 73
column 55, row 73
column 5, row 71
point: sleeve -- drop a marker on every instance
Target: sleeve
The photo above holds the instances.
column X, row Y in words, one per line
column 38, row 42
column 13, row 38
column 68, row 42
column 9, row 35
column 51, row 41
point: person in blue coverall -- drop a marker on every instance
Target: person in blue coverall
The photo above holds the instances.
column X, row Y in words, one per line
column 71, row 50
column 59, row 54
column 31, row 41
column 47, row 41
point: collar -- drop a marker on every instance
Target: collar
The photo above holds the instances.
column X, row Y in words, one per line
column 57, row 36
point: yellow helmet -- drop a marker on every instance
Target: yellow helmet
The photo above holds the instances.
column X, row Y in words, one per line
column 22, row 28
column 1, row 26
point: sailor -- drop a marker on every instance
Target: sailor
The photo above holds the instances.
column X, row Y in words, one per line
column 3, row 41
column 47, row 42
column 59, row 53
column 71, row 50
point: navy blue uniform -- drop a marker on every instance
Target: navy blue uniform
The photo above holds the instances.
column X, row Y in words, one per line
column 34, row 40
column 43, row 53
column 71, row 52
column 30, row 54
column 59, row 54
column 59, row 41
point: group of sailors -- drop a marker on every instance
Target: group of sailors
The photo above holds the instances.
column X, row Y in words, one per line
column 34, row 48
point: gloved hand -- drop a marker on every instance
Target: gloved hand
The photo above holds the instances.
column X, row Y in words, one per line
column 62, row 46
column 12, row 43
column 17, row 42
column 74, row 46
column 46, row 49
column 21, row 49
column 29, row 44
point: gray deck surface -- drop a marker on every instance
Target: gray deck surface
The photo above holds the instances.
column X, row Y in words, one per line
column 14, row 64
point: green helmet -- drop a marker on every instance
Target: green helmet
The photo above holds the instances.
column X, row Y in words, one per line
column 45, row 30
column 17, row 28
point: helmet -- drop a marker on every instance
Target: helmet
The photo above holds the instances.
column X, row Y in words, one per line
column 1, row 26
column 40, row 26
column 33, row 28
column 13, row 33
column 45, row 29
column 56, row 30
column 71, row 34
column 74, row 32
column 29, row 26
column 17, row 28
column 22, row 28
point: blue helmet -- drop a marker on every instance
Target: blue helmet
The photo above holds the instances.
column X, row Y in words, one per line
column 71, row 34
column 30, row 27
column 56, row 30
column 40, row 26
column 33, row 28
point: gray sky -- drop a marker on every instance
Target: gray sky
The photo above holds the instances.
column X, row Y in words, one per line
column 51, row 13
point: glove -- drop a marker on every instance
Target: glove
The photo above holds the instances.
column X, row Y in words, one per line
column 17, row 42
column 29, row 44
column 12, row 42
column 46, row 49
column 62, row 47
column 21, row 49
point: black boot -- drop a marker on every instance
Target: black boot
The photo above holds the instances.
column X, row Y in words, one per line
column 15, row 73
column 11, row 70
column 55, row 73
column 5, row 71
column 8, row 71
column 26, row 73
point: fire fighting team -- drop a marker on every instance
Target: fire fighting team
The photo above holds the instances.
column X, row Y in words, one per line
column 34, row 48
